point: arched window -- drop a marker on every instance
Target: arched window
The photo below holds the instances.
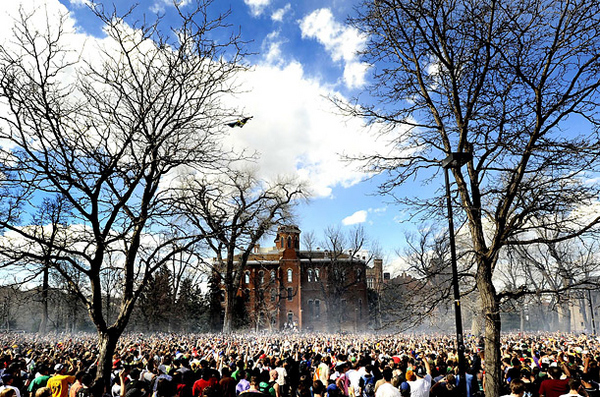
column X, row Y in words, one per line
column 310, row 275
column 358, row 275
column 261, row 277
column 311, row 313
column 290, row 317
column 289, row 242
column 282, row 242
column 317, row 308
column 247, row 295
column 290, row 274
column 317, row 274
column 296, row 243
column 272, row 280
column 273, row 295
column 290, row 292
column 360, row 311
column 247, row 278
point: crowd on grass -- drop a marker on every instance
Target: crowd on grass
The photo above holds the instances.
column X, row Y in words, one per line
column 295, row 365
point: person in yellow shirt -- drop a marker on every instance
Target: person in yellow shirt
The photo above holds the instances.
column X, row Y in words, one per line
column 59, row 383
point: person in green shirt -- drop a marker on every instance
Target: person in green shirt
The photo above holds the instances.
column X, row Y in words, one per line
column 41, row 380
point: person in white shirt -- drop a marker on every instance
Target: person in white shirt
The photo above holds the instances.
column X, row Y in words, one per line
column 387, row 389
column 7, row 379
column 421, row 386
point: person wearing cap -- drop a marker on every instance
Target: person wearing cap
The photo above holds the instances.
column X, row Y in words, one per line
column 404, row 389
column 7, row 380
column 422, row 384
column 60, row 382
column 555, row 386
column 387, row 389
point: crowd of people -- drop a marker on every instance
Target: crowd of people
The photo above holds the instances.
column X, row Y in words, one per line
column 295, row 365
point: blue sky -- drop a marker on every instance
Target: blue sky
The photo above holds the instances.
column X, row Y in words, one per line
column 302, row 53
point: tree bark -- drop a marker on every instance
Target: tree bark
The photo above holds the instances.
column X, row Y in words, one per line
column 491, row 311
column 107, row 344
column 229, row 309
column 44, row 322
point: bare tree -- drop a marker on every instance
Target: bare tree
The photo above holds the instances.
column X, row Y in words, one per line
column 107, row 129
column 341, row 267
column 234, row 211
column 498, row 80
column 557, row 274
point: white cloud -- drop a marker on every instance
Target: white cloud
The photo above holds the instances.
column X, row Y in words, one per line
column 271, row 48
column 278, row 14
column 354, row 74
column 357, row 217
column 341, row 41
column 160, row 5
column 257, row 6
column 295, row 126
column 80, row 3
column 296, row 130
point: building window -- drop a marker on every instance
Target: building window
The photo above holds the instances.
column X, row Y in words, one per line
column 281, row 243
column 261, row 277
column 247, row 278
column 290, row 317
column 273, row 295
column 289, row 242
column 360, row 311
column 272, row 280
column 296, row 243
column 359, row 275
column 317, row 308
column 370, row 282
column 290, row 293
column 311, row 313
column 261, row 295
column 310, row 275
column 290, row 275
column 317, row 274
column 247, row 295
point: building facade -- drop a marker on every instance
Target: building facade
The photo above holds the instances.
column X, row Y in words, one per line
column 285, row 287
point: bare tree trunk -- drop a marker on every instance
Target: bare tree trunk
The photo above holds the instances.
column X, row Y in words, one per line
column 107, row 341
column 492, row 332
column 564, row 317
column 521, row 318
column 45, row 282
column 229, row 308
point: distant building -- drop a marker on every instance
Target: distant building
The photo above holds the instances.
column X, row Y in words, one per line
column 286, row 287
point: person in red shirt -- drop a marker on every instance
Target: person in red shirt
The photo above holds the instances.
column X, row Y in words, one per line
column 205, row 381
column 556, row 386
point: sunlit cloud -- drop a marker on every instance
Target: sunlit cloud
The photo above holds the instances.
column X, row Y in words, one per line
column 356, row 218
column 341, row 42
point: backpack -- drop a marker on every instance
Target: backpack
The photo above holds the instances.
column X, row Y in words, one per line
column 84, row 392
column 368, row 389
column 267, row 388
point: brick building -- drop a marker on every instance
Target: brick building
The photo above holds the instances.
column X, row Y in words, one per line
column 284, row 287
